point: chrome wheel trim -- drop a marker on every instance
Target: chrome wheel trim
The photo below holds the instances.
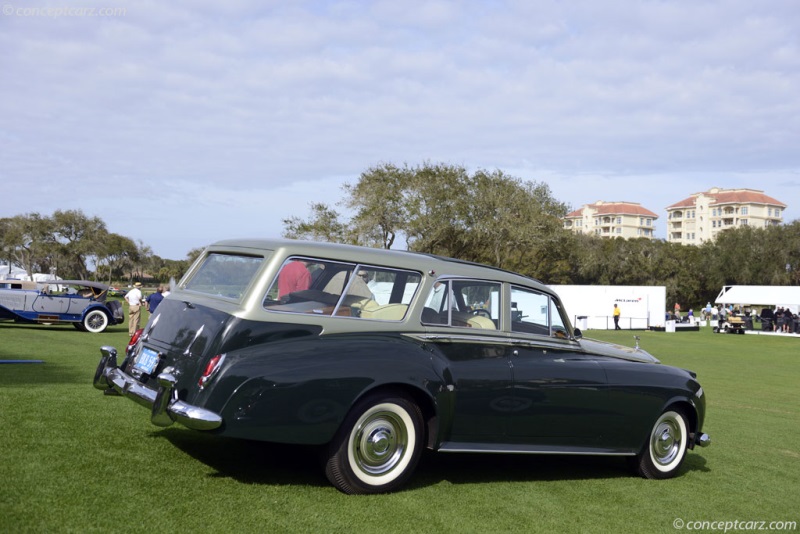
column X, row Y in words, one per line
column 668, row 441
column 381, row 444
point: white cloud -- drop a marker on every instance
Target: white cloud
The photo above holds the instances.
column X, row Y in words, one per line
column 211, row 107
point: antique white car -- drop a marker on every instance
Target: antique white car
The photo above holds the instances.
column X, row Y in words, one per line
column 79, row 302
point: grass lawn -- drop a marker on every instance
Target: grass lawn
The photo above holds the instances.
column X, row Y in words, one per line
column 75, row 460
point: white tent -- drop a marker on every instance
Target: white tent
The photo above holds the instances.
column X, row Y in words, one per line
column 772, row 296
column 14, row 273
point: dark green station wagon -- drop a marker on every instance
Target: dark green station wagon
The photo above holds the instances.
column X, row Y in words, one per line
column 374, row 355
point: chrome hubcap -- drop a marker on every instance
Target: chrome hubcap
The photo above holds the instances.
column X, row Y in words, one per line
column 667, row 441
column 380, row 442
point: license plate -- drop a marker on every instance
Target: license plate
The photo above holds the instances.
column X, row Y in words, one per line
column 146, row 361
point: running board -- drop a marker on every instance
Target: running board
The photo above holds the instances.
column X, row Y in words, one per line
column 531, row 449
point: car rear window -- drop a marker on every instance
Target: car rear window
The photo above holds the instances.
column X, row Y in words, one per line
column 224, row 275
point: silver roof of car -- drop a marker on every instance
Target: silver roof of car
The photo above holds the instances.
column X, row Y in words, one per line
column 432, row 265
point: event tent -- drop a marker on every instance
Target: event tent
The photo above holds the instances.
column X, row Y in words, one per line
column 772, row 296
column 10, row 271
column 15, row 273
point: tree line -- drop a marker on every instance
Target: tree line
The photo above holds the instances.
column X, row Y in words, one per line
column 72, row 245
column 497, row 219
column 483, row 216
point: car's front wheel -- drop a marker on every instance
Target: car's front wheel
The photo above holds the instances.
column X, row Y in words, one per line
column 378, row 445
column 666, row 446
column 95, row 321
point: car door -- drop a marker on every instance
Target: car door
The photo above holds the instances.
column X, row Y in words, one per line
column 79, row 301
column 463, row 316
column 46, row 303
column 561, row 394
column 480, row 375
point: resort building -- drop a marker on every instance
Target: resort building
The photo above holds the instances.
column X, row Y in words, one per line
column 702, row 216
column 612, row 219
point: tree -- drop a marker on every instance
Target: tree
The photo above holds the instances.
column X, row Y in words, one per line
column 515, row 224
column 115, row 253
column 379, row 205
column 139, row 259
column 27, row 240
column 488, row 216
column 322, row 225
column 436, row 203
column 78, row 240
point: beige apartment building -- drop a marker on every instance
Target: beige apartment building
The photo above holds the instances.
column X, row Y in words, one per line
column 612, row 219
column 703, row 215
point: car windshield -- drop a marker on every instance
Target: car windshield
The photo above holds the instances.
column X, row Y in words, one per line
column 224, row 275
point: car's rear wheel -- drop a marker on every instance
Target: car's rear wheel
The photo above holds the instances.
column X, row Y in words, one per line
column 665, row 449
column 95, row 321
column 378, row 445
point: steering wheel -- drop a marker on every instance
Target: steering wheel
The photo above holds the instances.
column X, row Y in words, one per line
column 481, row 311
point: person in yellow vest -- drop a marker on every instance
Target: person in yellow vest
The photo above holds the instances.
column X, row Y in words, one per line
column 616, row 317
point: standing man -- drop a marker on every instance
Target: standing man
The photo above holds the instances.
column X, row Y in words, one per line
column 722, row 314
column 134, row 298
column 155, row 299
column 616, row 317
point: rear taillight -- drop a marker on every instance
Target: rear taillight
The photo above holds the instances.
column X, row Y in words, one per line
column 211, row 369
column 135, row 337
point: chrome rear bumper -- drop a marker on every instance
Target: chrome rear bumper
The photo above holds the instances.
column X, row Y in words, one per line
column 163, row 403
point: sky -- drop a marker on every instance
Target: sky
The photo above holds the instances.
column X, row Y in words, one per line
column 181, row 123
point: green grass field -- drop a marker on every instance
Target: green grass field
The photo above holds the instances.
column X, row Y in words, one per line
column 75, row 460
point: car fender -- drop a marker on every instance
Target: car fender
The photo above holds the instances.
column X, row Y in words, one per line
column 267, row 394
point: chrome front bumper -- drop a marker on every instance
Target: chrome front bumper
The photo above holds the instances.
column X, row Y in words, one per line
column 700, row 440
column 163, row 403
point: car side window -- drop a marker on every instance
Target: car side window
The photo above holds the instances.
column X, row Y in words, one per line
column 463, row 303
column 533, row 312
column 324, row 287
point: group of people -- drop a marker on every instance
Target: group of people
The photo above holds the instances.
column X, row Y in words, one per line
column 675, row 314
column 779, row 319
column 136, row 300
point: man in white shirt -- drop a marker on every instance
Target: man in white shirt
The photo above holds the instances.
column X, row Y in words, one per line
column 134, row 298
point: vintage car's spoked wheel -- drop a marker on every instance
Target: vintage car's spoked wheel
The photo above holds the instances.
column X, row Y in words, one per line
column 95, row 321
column 665, row 450
column 378, row 445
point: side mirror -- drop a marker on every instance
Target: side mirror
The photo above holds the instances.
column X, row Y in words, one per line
column 576, row 333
